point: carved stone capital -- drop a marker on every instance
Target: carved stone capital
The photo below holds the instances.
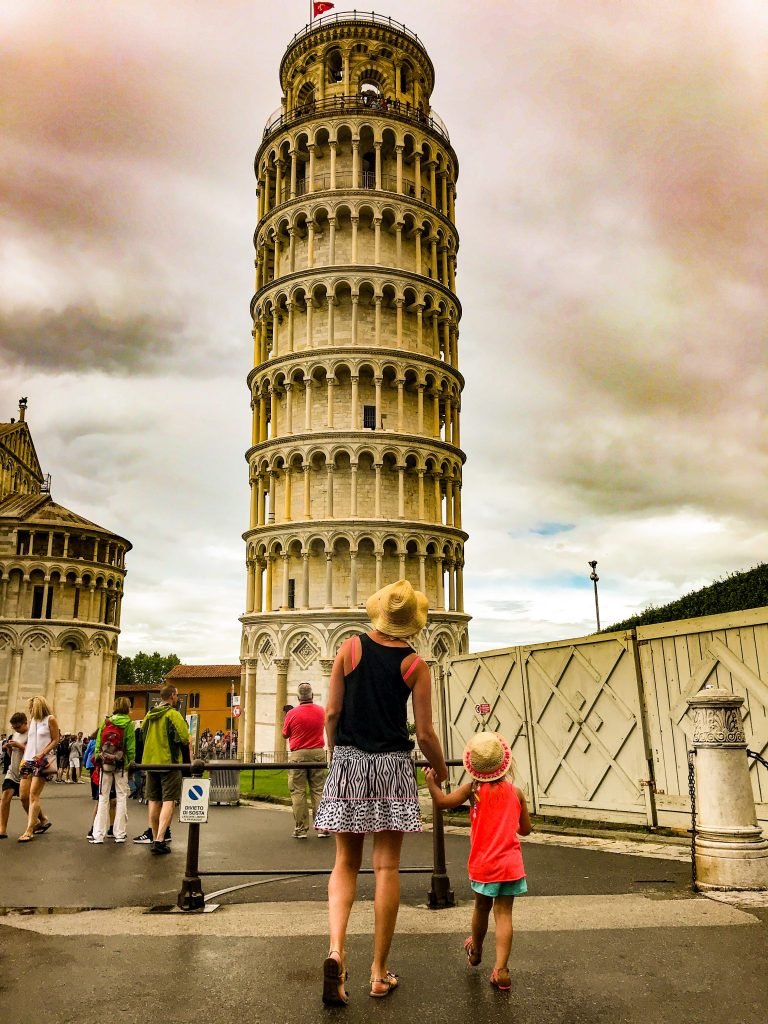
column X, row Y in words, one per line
column 717, row 718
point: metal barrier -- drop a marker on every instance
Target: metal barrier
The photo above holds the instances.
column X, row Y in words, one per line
column 191, row 896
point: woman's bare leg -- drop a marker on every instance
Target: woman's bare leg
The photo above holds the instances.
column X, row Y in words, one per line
column 342, row 886
column 35, row 810
column 386, row 866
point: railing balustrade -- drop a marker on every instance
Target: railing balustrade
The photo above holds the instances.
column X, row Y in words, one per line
column 357, row 104
column 344, row 180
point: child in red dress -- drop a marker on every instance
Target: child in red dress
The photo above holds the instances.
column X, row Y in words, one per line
column 498, row 815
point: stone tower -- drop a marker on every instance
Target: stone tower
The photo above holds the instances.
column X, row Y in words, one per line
column 61, row 594
column 355, row 461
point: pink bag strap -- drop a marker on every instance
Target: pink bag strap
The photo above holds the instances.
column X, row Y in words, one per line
column 412, row 666
column 352, row 651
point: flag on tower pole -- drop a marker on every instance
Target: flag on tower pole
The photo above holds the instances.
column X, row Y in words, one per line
column 320, row 7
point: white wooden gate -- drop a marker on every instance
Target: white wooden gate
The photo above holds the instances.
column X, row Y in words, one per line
column 592, row 721
column 679, row 658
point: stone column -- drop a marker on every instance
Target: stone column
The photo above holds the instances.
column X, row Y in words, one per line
column 417, row 239
column 307, row 406
column 377, row 150
column 379, row 561
column 377, row 491
column 287, row 516
column 268, row 585
column 353, row 490
column 421, row 496
column 288, row 408
column 331, row 383
column 291, row 324
column 329, row 486
column 399, row 245
column 377, row 320
column 331, row 241
column 377, row 241
column 294, row 168
column 355, row 168
column 326, row 664
column 451, row 587
column 354, row 219
column 281, row 698
column 354, row 299
column 420, row 408
column 251, row 684
column 310, row 326
column 440, row 591
column 401, row 492
column 329, row 579
column 399, row 152
column 352, row 578
column 17, row 655
column 438, row 499
column 400, row 404
column 310, row 245
column 305, row 580
column 332, row 145
column 284, row 599
column 331, row 320
column 306, row 469
column 354, row 414
column 251, row 585
column 272, row 477
column 311, row 170
column 423, row 573
column 259, row 594
column 731, row 852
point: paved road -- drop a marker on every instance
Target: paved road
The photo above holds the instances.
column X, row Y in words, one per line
column 604, row 938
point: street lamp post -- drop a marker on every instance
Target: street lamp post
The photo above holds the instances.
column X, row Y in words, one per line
column 594, row 577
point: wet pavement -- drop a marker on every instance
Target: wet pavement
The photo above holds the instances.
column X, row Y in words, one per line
column 607, row 934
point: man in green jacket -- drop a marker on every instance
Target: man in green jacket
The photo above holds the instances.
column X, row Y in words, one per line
column 165, row 735
column 116, row 773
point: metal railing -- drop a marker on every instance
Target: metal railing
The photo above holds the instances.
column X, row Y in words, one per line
column 191, row 896
column 364, row 16
column 357, row 104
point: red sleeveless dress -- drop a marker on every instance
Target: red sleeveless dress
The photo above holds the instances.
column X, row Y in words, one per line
column 495, row 854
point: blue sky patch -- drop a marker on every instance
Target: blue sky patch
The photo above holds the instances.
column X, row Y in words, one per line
column 549, row 529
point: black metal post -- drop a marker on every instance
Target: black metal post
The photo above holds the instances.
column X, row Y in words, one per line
column 440, row 894
column 191, row 895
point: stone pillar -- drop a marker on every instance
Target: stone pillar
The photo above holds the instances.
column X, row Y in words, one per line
column 268, row 585
column 259, row 594
column 281, row 698
column 326, row 664
column 284, row 599
column 249, row 725
column 731, row 852
column 251, row 585
column 329, row 487
column 306, row 469
column 353, row 490
column 352, row 578
column 379, row 561
column 332, row 146
column 305, row 580
column 288, row 498
column 399, row 152
column 378, row 382
column 377, row 149
column 329, row 579
column 307, row 406
column 13, row 683
column 377, row 491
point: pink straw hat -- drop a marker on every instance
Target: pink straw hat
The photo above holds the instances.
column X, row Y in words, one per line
column 487, row 757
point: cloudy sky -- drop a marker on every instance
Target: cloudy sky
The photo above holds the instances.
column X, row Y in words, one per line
column 614, row 230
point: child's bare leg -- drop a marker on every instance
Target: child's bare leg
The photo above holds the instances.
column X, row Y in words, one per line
column 480, row 915
column 502, row 913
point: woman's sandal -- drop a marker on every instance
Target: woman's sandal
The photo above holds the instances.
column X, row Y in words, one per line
column 39, row 829
column 390, row 981
column 334, row 980
column 474, row 955
column 25, row 837
column 500, row 979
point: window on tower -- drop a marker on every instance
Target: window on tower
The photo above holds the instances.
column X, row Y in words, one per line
column 369, row 417
column 291, row 593
column 335, row 66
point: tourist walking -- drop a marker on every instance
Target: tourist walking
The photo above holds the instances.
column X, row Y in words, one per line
column 498, row 815
column 371, row 785
column 38, row 764
column 115, row 750
column 14, row 747
column 76, row 757
column 165, row 735
column 303, row 728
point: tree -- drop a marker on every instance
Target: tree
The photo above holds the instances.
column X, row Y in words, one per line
column 125, row 674
column 147, row 670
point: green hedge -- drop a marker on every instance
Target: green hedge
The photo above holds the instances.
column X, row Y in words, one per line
column 735, row 593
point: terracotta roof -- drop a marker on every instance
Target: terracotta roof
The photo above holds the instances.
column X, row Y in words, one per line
column 204, row 672
column 137, row 687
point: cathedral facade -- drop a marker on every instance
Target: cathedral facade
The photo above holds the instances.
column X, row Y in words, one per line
column 355, row 463
column 61, row 591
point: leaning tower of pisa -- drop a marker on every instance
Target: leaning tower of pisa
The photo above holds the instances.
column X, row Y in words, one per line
column 355, row 461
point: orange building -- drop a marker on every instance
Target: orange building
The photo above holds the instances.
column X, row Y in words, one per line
column 206, row 691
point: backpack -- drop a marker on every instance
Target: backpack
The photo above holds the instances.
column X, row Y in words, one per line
column 112, row 752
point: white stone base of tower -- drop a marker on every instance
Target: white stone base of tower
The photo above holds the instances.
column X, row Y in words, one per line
column 280, row 651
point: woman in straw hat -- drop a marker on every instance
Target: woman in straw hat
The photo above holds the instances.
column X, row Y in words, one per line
column 498, row 815
column 371, row 785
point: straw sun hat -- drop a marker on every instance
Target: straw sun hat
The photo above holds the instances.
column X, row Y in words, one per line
column 398, row 609
column 487, row 757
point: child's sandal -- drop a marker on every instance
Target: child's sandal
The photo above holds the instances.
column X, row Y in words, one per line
column 500, row 979
column 474, row 956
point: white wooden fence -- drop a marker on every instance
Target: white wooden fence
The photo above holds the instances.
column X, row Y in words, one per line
column 599, row 725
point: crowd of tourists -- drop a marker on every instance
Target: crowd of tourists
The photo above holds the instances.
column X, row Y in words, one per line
column 218, row 746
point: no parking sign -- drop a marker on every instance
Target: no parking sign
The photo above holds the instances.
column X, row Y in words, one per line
column 195, row 794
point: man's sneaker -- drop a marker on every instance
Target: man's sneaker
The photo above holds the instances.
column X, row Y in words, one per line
column 110, row 833
column 299, row 835
column 323, row 835
column 159, row 848
column 89, row 834
column 168, row 836
column 96, row 842
column 145, row 838
column 119, row 839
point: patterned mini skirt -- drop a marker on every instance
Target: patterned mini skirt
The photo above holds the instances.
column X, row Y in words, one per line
column 369, row 793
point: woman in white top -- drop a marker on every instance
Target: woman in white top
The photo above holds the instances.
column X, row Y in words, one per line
column 39, row 764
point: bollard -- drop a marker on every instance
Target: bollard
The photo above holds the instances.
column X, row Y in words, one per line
column 731, row 852
column 191, row 895
column 440, row 894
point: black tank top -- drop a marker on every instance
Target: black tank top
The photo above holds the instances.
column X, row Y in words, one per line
column 373, row 714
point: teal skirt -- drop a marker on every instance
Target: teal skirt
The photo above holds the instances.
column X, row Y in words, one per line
column 517, row 888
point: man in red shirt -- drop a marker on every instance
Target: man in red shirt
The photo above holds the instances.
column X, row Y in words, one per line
column 303, row 727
